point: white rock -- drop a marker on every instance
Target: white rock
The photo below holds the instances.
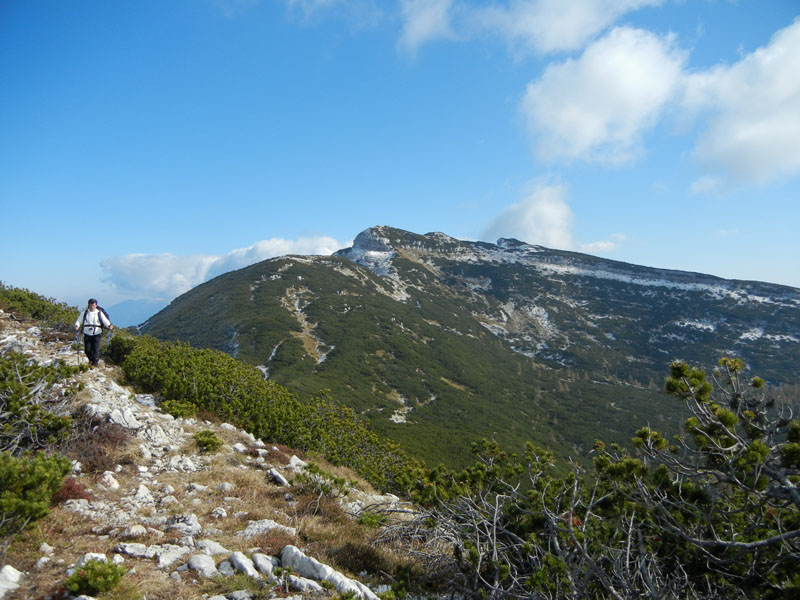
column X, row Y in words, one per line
column 224, row 487
column 169, row 554
column 263, row 563
column 109, row 481
column 46, row 549
column 296, row 464
column 9, row 579
column 204, row 565
column 227, row 426
column 244, row 565
column 167, row 500
column 155, row 435
column 305, row 566
column 90, row 556
column 219, row 513
column 134, row 531
column 124, row 417
column 143, row 495
column 240, row 447
column 211, row 547
column 196, row 487
column 226, row 568
column 185, row 524
column 278, row 478
column 255, row 528
column 40, row 564
column 306, row 586
column 136, row 550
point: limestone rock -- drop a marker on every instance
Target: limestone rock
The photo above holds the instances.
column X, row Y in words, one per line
column 278, row 478
column 244, row 565
column 211, row 547
column 9, row 580
column 255, row 528
column 293, row 558
column 304, row 585
column 124, row 417
column 204, row 565
column 169, row 554
column 184, row 524
column 109, row 481
column 143, row 495
column 263, row 563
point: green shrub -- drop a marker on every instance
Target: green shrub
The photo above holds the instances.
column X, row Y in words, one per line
column 27, row 486
column 25, row 421
column 95, row 577
column 207, row 441
column 371, row 520
column 179, row 408
column 237, row 393
column 23, row 302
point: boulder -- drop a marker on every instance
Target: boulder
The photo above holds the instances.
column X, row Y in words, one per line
column 204, row 565
column 143, row 495
column 184, row 524
column 9, row 580
column 244, row 565
column 263, row 563
column 211, row 547
column 255, row 528
column 305, row 566
column 278, row 478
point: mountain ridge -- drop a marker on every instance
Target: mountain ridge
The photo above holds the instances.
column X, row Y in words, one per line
column 439, row 341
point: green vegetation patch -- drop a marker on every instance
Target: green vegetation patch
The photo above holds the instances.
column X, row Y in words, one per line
column 212, row 381
column 22, row 302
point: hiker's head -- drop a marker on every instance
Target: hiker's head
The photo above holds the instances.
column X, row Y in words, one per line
column 92, row 303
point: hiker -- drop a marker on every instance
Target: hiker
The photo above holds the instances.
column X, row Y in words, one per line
column 91, row 321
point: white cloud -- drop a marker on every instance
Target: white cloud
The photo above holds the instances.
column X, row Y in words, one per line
column 598, row 106
column 754, row 112
column 553, row 25
column 309, row 7
column 424, row 20
column 165, row 276
column 543, row 217
column 705, row 184
column 604, row 246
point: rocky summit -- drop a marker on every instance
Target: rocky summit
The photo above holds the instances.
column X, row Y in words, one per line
column 174, row 517
column 440, row 342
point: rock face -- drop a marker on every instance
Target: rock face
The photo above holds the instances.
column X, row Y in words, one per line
column 153, row 514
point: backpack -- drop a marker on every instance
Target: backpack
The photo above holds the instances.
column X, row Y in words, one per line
column 105, row 314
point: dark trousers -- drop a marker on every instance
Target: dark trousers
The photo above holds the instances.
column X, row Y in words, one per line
column 91, row 345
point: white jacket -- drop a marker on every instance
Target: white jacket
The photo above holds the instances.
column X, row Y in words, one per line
column 92, row 321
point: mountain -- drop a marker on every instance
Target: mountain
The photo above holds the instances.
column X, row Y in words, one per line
column 439, row 342
column 132, row 312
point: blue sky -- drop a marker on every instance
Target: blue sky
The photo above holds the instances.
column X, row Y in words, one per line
column 148, row 146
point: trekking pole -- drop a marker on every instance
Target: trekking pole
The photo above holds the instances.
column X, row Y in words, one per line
column 77, row 345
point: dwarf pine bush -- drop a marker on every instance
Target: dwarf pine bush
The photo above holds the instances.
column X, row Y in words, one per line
column 95, row 577
column 28, row 419
column 236, row 392
column 22, row 302
column 27, row 486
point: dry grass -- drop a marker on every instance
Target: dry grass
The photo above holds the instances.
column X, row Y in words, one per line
column 99, row 447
